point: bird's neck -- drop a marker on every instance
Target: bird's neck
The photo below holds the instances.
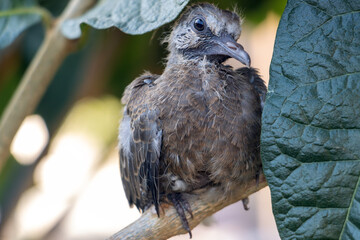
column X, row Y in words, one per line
column 178, row 60
column 194, row 72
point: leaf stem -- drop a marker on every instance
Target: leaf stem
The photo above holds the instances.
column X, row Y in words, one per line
column 43, row 12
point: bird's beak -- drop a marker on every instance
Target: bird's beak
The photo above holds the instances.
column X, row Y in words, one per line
column 229, row 47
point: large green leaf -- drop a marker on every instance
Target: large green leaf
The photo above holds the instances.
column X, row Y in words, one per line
column 132, row 17
column 311, row 121
column 14, row 19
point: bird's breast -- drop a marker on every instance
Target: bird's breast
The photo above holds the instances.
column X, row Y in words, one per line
column 204, row 128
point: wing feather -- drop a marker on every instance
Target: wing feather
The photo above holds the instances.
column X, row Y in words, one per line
column 140, row 138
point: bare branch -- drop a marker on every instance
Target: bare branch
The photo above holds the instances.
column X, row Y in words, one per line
column 203, row 205
column 37, row 77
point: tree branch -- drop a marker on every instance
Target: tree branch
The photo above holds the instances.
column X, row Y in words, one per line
column 203, row 205
column 37, row 77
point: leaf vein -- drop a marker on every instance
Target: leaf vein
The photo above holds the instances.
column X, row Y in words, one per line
column 315, row 126
column 318, row 27
column 352, row 201
column 330, row 78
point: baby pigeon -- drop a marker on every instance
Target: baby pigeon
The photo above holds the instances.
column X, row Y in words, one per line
column 198, row 124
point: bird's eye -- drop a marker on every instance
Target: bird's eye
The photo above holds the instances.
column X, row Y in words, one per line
column 199, row 24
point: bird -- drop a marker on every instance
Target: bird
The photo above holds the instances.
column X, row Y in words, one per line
column 197, row 124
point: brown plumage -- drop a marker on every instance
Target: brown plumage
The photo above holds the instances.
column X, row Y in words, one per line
column 197, row 124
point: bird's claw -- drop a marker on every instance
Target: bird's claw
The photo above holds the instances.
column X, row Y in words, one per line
column 245, row 202
column 181, row 205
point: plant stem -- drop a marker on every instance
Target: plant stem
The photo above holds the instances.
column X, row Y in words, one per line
column 38, row 76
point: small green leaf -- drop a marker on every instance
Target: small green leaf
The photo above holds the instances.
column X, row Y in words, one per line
column 132, row 17
column 311, row 121
column 15, row 17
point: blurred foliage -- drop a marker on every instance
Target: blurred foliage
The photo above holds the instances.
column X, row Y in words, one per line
column 107, row 62
column 12, row 184
column 254, row 11
column 95, row 117
column 54, row 6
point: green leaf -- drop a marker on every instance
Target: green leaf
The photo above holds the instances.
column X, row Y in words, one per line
column 311, row 121
column 15, row 17
column 132, row 17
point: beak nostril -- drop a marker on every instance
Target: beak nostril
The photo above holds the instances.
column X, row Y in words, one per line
column 233, row 48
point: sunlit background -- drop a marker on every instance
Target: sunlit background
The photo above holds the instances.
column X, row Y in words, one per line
column 62, row 180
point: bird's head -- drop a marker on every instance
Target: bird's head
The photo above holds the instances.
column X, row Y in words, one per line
column 205, row 30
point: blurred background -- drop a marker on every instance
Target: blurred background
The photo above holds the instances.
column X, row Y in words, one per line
column 62, row 180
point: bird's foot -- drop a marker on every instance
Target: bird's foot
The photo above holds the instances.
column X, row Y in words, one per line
column 245, row 202
column 257, row 177
column 181, row 205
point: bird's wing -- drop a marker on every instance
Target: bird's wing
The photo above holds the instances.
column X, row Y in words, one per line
column 139, row 148
column 254, row 78
column 135, row 88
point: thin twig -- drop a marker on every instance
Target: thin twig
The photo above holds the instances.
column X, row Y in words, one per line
column 203, row 205
column 38, row 76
